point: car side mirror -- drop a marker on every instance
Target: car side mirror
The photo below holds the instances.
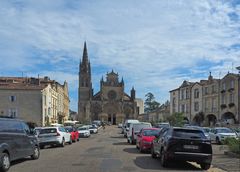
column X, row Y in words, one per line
column 139, row 135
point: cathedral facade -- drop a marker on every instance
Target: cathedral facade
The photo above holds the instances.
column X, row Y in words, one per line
column 111, row 103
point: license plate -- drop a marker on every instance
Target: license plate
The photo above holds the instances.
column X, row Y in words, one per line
column 193, row 147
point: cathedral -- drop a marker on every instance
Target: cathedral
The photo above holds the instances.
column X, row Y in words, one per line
column 111, row 104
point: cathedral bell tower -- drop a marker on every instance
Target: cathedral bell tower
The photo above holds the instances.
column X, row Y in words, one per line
column 85, row 92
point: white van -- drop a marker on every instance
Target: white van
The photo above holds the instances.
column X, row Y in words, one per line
column 126, row 125
column 134, row 129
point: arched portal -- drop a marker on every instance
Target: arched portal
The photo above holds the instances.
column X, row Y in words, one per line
column 228, row 118
column 211, row 120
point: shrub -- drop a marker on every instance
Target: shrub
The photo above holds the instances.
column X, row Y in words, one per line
column 233, row 144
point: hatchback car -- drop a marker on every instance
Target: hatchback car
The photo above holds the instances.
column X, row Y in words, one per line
column 16, row 142
column 54, row 136
column 84, row 131
column 183, row 144
column 219, row 134
column 74, row 133
column 145, row 138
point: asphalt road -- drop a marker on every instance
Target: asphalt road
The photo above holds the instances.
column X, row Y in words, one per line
column 106, row 151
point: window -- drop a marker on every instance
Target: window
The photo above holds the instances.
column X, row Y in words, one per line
column 213, row 89
column 232, row 84
column 12, row 112
column 174, row 101
column 196, row 106
column 224, row 86
column 231, row 98
column 223, row 99
column 206, row 90
column 196, row 93
column 182, row 108
column 187, row 94
column 12, row 98
column 182, row 94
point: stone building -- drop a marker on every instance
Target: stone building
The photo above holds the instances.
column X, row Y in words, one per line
column 217, row 99
column 229, row 98
column 111, row 103
column 34, row 100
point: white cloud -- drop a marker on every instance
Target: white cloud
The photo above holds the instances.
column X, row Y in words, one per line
column 154, row 45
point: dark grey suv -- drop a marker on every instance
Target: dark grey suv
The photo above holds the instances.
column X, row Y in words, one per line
column 16, row 141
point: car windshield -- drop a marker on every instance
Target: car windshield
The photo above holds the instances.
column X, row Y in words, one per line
column 150, row 132
column 188, row 133
column 48, row 130
column 83, row 128
column 224, row 130
column 206, row 130
column 92, row 127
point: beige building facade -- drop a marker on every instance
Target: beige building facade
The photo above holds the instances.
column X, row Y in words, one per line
column 34, row 100
column 217, row 99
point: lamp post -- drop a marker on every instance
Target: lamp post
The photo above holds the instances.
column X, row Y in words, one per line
column 238, row 68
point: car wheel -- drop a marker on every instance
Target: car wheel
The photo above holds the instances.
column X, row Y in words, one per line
column 63, row 143
column 205, row 166
column 153, row 153
column 137, row 146
column 163, row 159
column 36, row 153
column 77, row 139
column 218, row 140
column 41, row 147
column 5, row 161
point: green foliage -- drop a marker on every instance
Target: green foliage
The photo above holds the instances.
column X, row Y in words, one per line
column 233, row 144
column 176, row 119
column 150, row 104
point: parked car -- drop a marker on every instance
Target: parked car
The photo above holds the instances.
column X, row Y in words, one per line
column 205, row 130
column 145, row 138
column 134, row 129
column 183, row 144
column 84, row 131
column 237, row 131
column 16, row 142
column 74, row 133
column 93, row 129
column 126, row 125
column 54, row 136
column 120, row 125
column 219, row 134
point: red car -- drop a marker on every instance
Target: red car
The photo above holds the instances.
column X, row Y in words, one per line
column 74, row 133
column 145, row 138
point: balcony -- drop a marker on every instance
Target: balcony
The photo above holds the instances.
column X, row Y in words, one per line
column 223, row 106
column 230, row 89
column 223, row 91
column 231, row 105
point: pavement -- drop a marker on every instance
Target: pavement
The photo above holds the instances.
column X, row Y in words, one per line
column 108, row 151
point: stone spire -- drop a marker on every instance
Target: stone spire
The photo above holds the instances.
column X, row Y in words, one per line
column 85, row 54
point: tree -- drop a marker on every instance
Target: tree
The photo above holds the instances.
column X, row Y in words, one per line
column 150, row 104
column 199, row 118
column 176, row 119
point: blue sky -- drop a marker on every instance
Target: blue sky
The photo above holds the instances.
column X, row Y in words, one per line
column 154, row 45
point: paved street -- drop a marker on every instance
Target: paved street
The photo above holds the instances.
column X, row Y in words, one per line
column 106, row 151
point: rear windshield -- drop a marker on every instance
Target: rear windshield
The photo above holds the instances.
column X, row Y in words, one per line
column 151, row 132
column 191, row 134
column 69, row 129
column 224, row 130
column 138, row 127
column 48, row 130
